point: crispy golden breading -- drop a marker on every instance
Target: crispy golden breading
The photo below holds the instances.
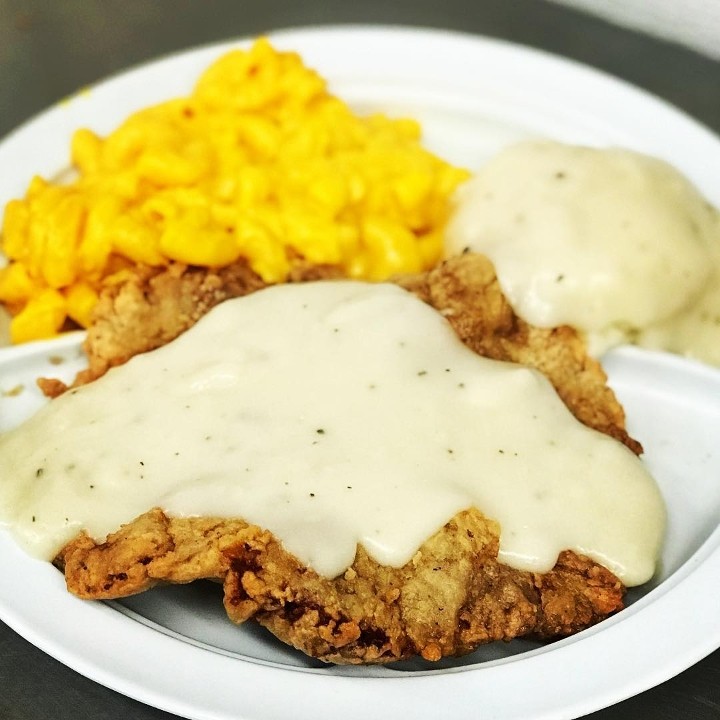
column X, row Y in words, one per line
column 145, row 308
column 452, row 597
column 466, row 291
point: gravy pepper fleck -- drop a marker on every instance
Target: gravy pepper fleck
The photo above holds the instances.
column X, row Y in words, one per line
column 260, row 162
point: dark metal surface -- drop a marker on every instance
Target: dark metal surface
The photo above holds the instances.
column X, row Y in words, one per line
column 50, row 49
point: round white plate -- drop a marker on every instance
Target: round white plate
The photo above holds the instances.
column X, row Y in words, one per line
column 174, row 648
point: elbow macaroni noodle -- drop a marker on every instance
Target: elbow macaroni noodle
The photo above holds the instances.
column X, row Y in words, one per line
column 260, row 162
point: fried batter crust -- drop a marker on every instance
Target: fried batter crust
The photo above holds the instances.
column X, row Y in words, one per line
column 453, row 596
column 450, row 598
column 145, row 308
column 466, row 291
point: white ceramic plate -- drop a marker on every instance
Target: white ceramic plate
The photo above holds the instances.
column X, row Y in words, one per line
column 174, row 648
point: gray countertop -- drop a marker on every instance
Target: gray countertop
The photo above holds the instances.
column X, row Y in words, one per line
column 50, row 49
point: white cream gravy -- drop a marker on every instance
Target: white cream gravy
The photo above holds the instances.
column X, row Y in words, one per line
column 332, row 414
column 617, row 244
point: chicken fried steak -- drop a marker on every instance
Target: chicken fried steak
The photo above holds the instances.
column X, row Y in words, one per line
column 454, row 594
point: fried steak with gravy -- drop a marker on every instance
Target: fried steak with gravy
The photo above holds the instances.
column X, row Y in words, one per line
column 452, row 596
